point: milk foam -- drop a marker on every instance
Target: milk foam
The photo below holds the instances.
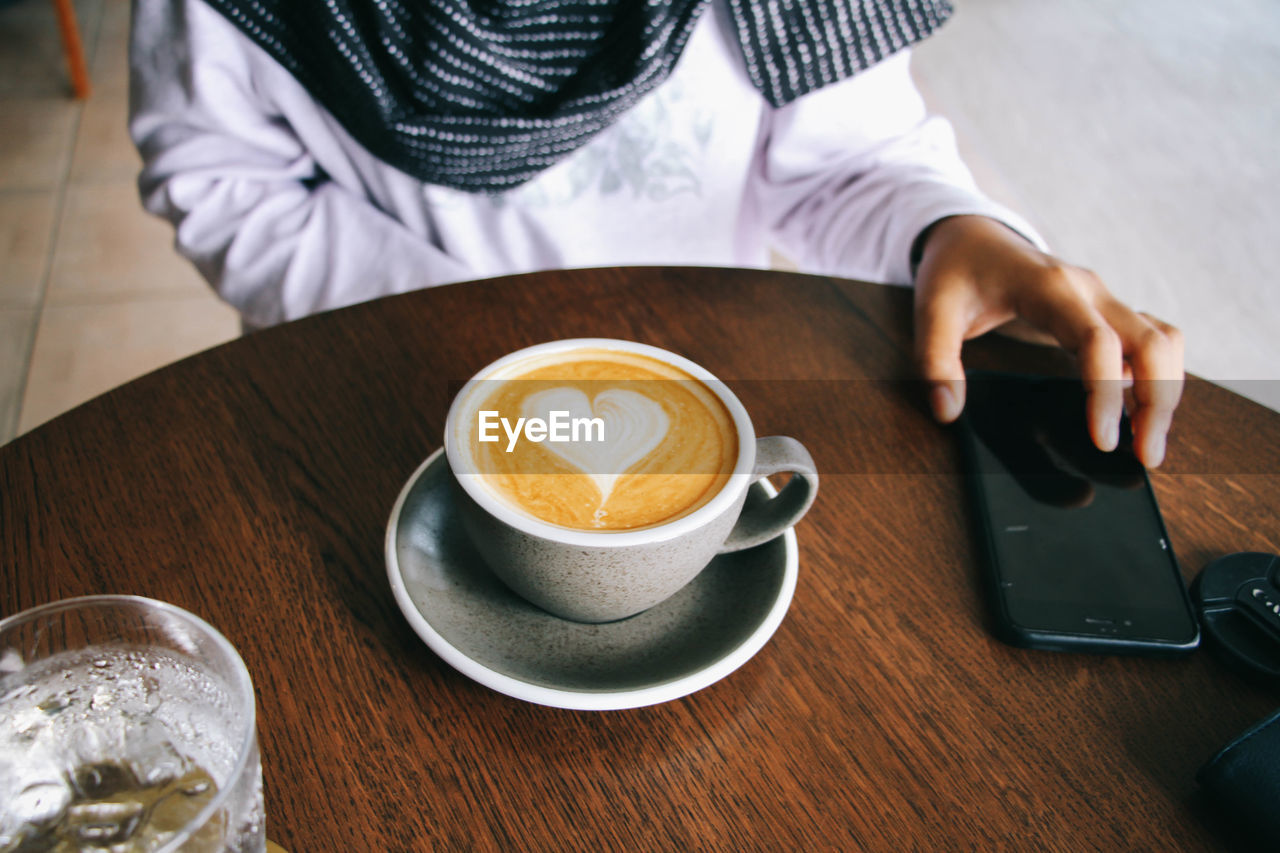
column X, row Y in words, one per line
column 634, row 426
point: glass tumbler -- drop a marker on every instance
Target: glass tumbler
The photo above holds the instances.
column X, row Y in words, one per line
column 126, row 724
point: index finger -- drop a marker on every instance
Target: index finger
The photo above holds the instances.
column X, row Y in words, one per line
column 1079, row 327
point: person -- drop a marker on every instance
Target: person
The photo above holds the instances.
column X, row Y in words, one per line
column 311, row 157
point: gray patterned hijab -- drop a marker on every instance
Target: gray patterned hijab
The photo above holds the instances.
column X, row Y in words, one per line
column 482, row 95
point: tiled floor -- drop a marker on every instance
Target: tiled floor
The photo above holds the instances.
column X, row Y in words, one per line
column 91, row 292
column 1139, row 136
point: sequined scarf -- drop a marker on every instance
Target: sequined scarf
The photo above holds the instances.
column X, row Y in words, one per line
column 482, row 95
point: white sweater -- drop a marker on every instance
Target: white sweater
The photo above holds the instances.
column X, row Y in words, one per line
column 285, row 214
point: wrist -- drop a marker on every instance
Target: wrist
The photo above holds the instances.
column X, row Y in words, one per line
column 963, row 229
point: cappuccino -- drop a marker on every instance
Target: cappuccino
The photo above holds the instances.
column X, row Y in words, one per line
column 598, row 439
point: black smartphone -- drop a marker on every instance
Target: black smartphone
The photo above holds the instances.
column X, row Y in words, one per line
column 1076, row 552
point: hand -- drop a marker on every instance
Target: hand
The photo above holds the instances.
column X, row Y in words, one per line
column 976, row 275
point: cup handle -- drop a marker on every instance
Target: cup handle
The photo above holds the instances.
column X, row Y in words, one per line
column 764, row 521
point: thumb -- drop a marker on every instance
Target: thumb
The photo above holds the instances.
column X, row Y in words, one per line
column 939, row 335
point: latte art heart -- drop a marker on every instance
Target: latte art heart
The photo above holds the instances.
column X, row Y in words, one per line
column 634, row 426
column 598, row 439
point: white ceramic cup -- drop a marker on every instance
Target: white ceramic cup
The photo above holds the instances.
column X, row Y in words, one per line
column 601, row 575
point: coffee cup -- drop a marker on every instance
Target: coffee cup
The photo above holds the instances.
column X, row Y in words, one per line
column 598, row 477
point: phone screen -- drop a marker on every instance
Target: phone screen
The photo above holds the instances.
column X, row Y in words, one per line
column 1076, row 545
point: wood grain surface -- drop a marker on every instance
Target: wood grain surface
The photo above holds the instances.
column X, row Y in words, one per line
column 252, row 484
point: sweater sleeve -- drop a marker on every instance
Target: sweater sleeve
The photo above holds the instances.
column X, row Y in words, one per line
column 849, row 176
column 250, row 204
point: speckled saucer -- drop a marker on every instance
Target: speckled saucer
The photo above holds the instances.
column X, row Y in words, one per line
column 469, row 618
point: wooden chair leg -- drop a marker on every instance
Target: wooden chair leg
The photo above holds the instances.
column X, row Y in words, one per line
column 73, row 48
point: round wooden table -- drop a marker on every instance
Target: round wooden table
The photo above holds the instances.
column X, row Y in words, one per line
column 252, row 485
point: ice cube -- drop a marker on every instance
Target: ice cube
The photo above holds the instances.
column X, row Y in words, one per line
column 103, row 824
column 152, row 755
column 34, row 795
column 10, row 661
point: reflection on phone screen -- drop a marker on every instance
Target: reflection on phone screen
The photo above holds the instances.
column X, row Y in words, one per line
column 1078, row 542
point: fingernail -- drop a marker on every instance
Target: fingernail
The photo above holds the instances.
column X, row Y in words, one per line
column 943, row 400
column 1113, row 433
column 1155, row 450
